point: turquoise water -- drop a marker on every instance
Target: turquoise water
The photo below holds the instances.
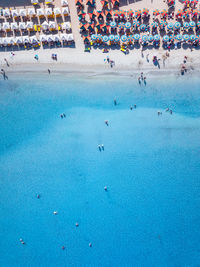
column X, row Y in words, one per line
column 150, row 214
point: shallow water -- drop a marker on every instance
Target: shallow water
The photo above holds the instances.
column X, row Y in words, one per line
column 150, row 214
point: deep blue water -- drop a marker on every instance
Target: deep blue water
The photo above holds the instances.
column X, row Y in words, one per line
column 151, row 164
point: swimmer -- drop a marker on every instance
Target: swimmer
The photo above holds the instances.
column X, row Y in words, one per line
column 102, row 146
column 145, row 82
column 22, row 241
column 131, row 108
column 159, row 113
column 61, row 116
column 77, row 225
column 139, row 80
column 55, row 212
column 167, row 109
column 142, row 76
column 106, row 122
column 105, row 188
column 99, row 147
column 115, row 102
column 170, row 111
column 38, row 196
column 63, row 248
column 90, row 245
column 134, row 105
column 64, row 115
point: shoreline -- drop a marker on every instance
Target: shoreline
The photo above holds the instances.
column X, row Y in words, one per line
column 95, row 70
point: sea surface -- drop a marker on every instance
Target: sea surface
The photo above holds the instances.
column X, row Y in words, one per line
column 150, row 213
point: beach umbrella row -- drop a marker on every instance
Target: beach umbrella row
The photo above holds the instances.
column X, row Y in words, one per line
column 144, row 38
column 32, row 12
column 35, row 40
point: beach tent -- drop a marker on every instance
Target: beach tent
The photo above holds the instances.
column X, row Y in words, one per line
column 56, row 38
column 14, row 26
column 66, row 25
column 48, row 2
column 31, row 11
column 14, row 13
column 65, row 11
column 43, row 38
column 64, row 2
column 52, row 24
column 19, row 40
column 4, row 41
column 57, row 11
column 63, row 37
column 26, row 39
column 22, row 12
column 6, row 26
column 70, row 37
column 50, row 38
column 33, row 39
column 48, row 11
column 40, row 12
column 45, row 25
column 29, row 25
column 6, row 12
column 34, row 2
column 22, row 25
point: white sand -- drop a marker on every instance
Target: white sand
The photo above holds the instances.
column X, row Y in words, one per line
column 76, row 58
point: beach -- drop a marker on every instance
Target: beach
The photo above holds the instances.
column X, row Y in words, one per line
column 76, row 58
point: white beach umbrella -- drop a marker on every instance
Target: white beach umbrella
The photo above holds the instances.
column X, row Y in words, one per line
column 29, row 25
column 6, row 12
column 48, row 2
column 22, row 25
column 66, row 25
column 22, row 12
column 70, row 37
column 50, row 38
column 19, row 40
column 5, row 41
column 26, row 39
column 31, row 11
column 63, row 37
column 48, row 11
column 43, row 38
column 6, row 26
column 14, row 13
column 40, row 12
column 45, row 25
column 64, row 2
column 14, row 26
column 33, row 39
column 34, row 2
column 11, row 40
column 57, row 11
column 65, row 10
column 52, row 25
column 56, row 38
